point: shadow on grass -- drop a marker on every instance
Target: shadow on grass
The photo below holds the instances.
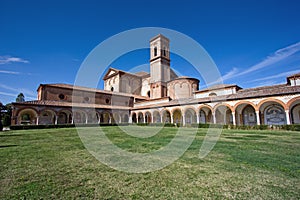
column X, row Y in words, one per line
column 9, row 145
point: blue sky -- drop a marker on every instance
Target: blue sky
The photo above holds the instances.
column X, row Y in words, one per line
column 253, row 43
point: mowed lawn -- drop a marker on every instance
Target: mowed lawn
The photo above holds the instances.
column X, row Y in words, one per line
column 53, row 164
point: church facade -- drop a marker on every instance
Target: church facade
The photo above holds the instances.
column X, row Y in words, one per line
column 161, row 96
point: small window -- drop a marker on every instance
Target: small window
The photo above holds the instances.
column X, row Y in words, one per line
column 61, row 96
column 155, row 51
column 164, row 52
column 148, row 93
column 212, row 94
column 86, row 99
column 112, row 89
column 107, row 101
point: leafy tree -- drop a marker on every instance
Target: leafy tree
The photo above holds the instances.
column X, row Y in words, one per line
column 6, row 115
column 1, row 107
column 20, row 98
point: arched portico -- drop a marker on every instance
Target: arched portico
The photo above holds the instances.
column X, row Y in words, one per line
column 148, row 118
column 47, row 117
column 156, row 117
column 294, row 110
column 272, row 113
column 205, row 115
column 245, row 115
column 190, row 116
column 27, row 116
column 223, row 115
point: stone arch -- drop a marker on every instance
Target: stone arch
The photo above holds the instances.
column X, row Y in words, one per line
column 93, row 117
column 223, row 114
column 271, row 100
column 223, row 104
column 105, row 117
column 294, row 110
column 116, row 117
column 64, row 117
column 133, row 117
column 156, row 116
column 140, row 117
column 245, row 113
column 125, row 118
column 166, row 116
column 47, row 116
column 148, row 117
column 27, row 116
column 190, row 116
column 177, row 116
column 205, row 114
column 272, row 112
column 79, row 117
column 244, row 102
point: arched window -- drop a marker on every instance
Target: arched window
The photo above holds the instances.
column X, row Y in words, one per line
column 112, row 89
column 148, row 93
column 164, row 52
column 155, row 51
column 212, row 94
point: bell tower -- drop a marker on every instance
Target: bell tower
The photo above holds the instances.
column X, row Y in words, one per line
column 159, row 66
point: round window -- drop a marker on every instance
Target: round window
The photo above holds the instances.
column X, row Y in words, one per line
column 86, row 99
column 107, row 101
column 61, row 96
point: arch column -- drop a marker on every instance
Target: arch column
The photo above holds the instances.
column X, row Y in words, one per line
column 257, row 117
column 130, row 118
column 198, row 117
column 171, row 116
column 37, row 120
column 183, row 118
column 214, row 117
column 152, row 118
column 287, row 114
column 233, row 118
column 56, row 118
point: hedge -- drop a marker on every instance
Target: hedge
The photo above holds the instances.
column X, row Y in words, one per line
column 292, row 127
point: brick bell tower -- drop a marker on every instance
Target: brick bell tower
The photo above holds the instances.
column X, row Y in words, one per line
column 159, row 66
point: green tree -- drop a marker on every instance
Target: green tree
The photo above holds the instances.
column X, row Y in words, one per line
column 1, row 108
column 6, row 114
column 20, row 98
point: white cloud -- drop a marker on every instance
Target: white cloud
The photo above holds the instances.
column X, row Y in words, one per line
column 8, row 94
column 10, row 59
column 29, row 94
column 284, row 75
column 9, row 72
column 274, row 58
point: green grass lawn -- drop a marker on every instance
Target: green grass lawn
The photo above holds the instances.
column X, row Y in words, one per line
column 53, row 163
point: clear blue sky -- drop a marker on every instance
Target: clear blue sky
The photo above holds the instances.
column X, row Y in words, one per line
column 253, row 43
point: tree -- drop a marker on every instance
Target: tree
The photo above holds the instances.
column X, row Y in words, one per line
column 1, row 107
column 20, row 98
column 6, row 115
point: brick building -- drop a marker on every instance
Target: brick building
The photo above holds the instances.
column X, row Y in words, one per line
column 161, row 96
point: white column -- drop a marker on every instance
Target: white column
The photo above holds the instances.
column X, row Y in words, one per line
column 86, row 119
column 183, row 120
column 72, row 122
column 152, row 118
column 144, row 118
column 130, row 118
column 214, row 117
column 257, row 117
column 162, row 118
column 55, row 122
column 172, row 120
column 37, row 120
column 198, row 117
column 287, row 114
column 233, row 118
